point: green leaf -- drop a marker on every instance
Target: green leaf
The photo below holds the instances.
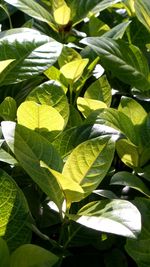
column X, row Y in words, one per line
column 72, row 190
column 142, row 10
column 4, row 254
column 8, row 109
column 118, row 31
column 125, row 61
column 4, row 64
column 128, row 153
column 6, row 157
column 104, row 5
column 128, row 179
column 119, row 217
column 32, row 255
column 139, row 249
column 86, row 105
column 30, row 148
column 33, row 53
column 74, row 69
column 114, row 119
column 14, row 213
column 133, row 110
column 33, row 9
column 74, row 117
column 89, row 162
column 97, row 27
column 68, row 54
column 51, row 93
column 100, row 90
column 42, row 118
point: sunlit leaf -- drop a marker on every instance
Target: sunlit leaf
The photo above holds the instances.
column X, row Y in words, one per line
column 86, row 105
column 119, row 217
column 5, row 63
column 62, row 15
column 142, row 10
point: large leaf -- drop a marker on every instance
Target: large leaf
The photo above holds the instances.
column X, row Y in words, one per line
column 142, row 10
column 125, row 61
column 89, row 162
column 118, row 31
column 42, row 118
column 139, row 249
column 51, row 93
column 128, row 179
column 33, row 53
column 33, row 9
column 14, row 213
column 30, row 148
column 119, row 217
column 114, row 119
column 31, row 255
column 8, row 109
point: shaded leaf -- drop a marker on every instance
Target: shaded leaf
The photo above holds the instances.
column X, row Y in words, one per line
column 14, row 213
column 142, row 10
column 4, row 254
column 86, row 105
column 5, row 63
column 8, row 109
column 32, row 255
column 128, row 179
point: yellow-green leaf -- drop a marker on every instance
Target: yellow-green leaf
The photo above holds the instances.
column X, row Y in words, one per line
column 62, row 15
column 74, row 69
column 86, row 105
column 4, row 64
column 42, row 118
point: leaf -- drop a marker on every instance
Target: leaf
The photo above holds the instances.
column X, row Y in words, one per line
column 4, row 64
column 6, row 157
column 114, row 119
column 104, row 5
column 100, row 90
column 33, row 53
column 74, row 118
column 42, row 118
column 119, row 217
column 51, row 93
column 30, row 255
column 4, row 254
column 142, row 10
column 97, row 27
column 62, row 15
column 133, row 110
column 139, row 249
column 68, row 54
column 127, row 179
column 74, row 69
column 33, row 9
column 125, row 61
column 72, row 190
column 128, row 153
column 118, row 31
column 8, row 109
column 14, row 213
column 86, row 105
column 30, row 148
column 89, row 162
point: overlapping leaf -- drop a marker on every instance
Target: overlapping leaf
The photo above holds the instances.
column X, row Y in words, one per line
column 33, row 53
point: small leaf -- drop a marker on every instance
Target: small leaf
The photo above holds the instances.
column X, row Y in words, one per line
column 74, row 69
column 4, row 254
column 62, row 15
column 89, row 162
column 100, row 90
column 86, row 105
column 119, row 217
column 8, row 109
column 14, row 213
column 68, row 54
column 4, row 64
column 127, row 179
column 32, row 255
column 128, row 153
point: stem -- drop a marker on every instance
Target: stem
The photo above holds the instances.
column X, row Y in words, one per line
column 7, row 13
column 71, row 93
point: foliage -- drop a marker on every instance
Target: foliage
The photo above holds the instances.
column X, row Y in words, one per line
column 75, row 133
